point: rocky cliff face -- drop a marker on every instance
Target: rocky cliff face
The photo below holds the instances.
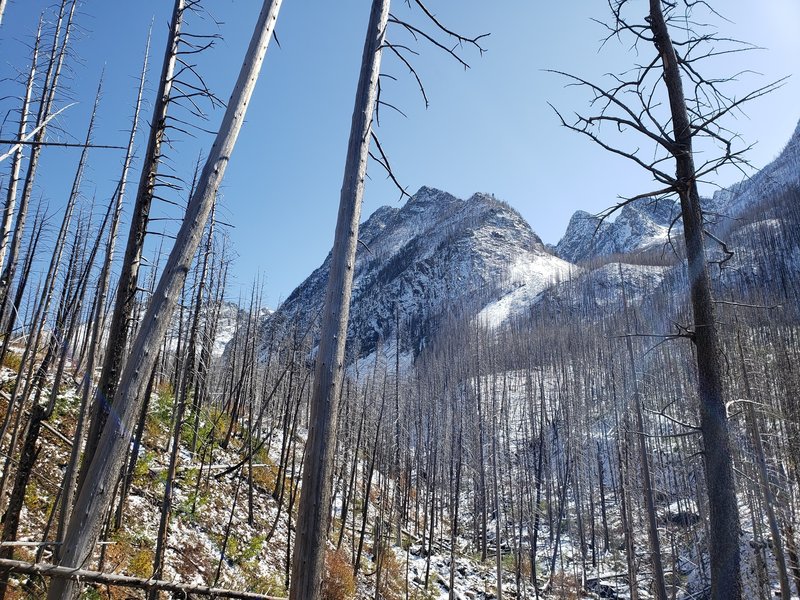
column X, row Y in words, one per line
column 642, row 224
column 439, row 258
column 646, row 224
column 435, row 258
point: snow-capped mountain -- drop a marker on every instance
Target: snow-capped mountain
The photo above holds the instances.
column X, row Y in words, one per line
column 439, row 258
column 232, row 317
column 647, row 224
column 644, row 223
column 781, row 173
column 434, row 258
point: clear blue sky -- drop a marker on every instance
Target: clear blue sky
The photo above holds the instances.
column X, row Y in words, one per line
column 488, row 129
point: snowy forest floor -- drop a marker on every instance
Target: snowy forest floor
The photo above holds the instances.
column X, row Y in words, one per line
column 232, row 530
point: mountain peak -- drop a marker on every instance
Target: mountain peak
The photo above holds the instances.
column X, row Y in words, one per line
column 430, row 194
column 436, row 257
column 648, row 222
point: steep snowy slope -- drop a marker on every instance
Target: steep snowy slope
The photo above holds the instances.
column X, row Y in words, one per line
column 781, row 173
column 592, row 292
column 645, row 224
column 436, row 257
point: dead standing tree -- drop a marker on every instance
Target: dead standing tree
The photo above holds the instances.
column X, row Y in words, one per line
column 60, row 44
column 651, row 101
column 314, row 509
column 129, row 274
column 94, row 499
column 313, row 515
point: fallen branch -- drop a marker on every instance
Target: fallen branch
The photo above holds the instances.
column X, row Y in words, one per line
column 18, row 566
column 64, row 439
column 18, row 143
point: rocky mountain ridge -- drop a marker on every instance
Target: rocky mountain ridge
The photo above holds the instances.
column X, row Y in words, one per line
column 439, row 258
column 430, row 260
column 648, row 223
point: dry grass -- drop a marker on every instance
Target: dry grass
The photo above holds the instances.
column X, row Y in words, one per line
column 339, row 582
column 392, row 584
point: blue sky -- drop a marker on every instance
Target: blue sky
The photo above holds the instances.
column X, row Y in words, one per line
column 487, row 129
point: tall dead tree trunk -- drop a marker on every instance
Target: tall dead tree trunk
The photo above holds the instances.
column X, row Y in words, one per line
column 644, row 461
column 129, row 274
column 58, row 53
column 98, row 315
column 670, row 129
column 56, row 62
column 763, row 478
column 726, row 582
column 313, row 515
column 11, row 193
column 94, row 499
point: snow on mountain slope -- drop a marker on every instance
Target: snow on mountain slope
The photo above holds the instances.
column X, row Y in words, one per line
column 645, row 224
column 436, row 257
column 642, row 224
column 439, row 257
column 781, row 173
column 531, row 278
column 230, row 317
column 593, row 291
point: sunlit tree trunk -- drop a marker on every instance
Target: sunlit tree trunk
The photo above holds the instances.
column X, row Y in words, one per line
column 11, row 192
column 129, row 273
column 94, row 499
column 313, row 515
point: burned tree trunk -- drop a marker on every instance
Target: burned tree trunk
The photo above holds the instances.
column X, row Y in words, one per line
column 11, row 193
column 313, row 515
column 94, row 498
column 129, row 274
column 726, row 580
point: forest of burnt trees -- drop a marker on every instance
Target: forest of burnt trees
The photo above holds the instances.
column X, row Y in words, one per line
column 562, row 455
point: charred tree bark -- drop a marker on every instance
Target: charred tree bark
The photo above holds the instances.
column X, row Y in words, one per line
column 726, row 582
column 98, row 316
column 129, row 275
column 644, row 461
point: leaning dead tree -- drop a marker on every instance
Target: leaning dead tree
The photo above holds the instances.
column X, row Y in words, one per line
column 35, row 380
column 95, row 497
column 670, row 104
column 128, row 283
column 98, row 315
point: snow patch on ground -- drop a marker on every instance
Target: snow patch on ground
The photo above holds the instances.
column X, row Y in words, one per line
column 531, row 276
